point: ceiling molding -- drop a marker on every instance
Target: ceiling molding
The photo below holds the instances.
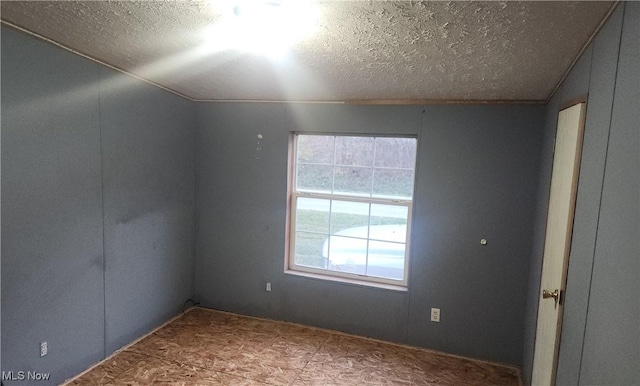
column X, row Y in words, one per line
column 443, row 102
column 268, row 101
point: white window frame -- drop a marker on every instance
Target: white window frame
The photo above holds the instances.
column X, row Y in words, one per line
column 326, row 274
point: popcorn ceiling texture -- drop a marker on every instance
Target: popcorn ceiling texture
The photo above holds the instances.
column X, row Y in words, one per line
column 364, row 50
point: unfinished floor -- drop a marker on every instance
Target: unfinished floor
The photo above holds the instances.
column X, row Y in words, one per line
column 206, row 347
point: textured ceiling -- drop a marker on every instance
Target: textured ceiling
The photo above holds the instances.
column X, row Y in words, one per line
column 363, row 50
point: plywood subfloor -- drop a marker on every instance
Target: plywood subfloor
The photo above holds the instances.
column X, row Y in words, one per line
column 206, row 347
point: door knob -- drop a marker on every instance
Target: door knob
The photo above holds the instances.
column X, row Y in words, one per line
column 546, row 294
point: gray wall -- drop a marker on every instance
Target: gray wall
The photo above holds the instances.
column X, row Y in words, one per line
column 97, row 207
column 601, row 306
column 148, row 165
column 52, row 258
column 477, row 172
column 611, row 351
column 477, row 178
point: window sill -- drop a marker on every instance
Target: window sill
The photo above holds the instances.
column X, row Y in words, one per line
column 361, row 283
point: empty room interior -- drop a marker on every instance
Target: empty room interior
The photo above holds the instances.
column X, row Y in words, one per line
column 320, row 192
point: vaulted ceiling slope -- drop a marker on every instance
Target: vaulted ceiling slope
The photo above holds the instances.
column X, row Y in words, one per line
column 362, row 50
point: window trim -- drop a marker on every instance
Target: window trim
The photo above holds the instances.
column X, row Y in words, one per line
column 329, row 275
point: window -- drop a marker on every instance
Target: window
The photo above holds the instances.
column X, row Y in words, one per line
column 350, row 211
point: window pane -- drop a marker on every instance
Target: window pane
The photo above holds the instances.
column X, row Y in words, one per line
column 396, row 233
column 315, row 149
column 396, row 152
column 353, row 181
column 347, row 254
column 345, row 215
column 316, row 178
column 312, row 215
column 360, row 238
column 386, row 259
column 309, row 249
column 388, row 214
column 354, row 151
column 392, row 183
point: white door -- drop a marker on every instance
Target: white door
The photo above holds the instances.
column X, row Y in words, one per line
column 562, row 198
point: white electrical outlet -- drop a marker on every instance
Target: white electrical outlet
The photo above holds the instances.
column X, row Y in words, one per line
column 43, row 348
column 435, row 315
column 268, row 287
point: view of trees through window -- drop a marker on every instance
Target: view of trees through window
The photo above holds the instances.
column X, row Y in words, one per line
column 361, row 166
column 352, row 198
